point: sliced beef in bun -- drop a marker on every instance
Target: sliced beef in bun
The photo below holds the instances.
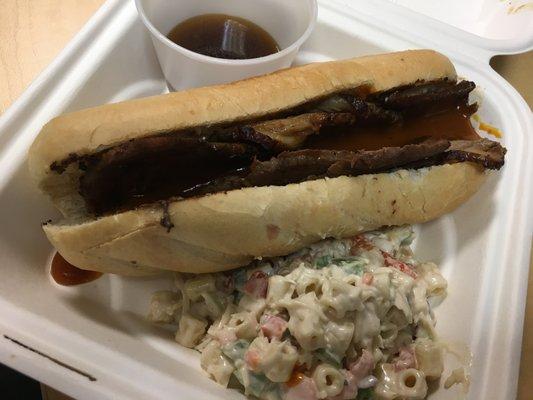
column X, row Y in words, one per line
column 210, row 179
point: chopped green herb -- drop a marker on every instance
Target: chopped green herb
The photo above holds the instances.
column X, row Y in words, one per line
column 260, row 384
column 236, row 350
column 356, row 269
column 239, row 278
column 406, row 241
column 214, row 304
column 327, row 356
column 365, row 394
column 323, row 261
column 257, row 384
column 238, row 373
column 352, row 265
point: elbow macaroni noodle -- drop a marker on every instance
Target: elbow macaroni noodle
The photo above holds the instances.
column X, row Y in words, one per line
column 329, row 380
column 339, row 318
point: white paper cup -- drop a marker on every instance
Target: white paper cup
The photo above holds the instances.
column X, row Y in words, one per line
column 290, row 22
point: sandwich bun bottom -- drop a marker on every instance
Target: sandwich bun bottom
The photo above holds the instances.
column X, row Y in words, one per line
column 227, row 230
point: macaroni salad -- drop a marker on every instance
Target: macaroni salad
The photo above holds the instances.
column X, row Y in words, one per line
column 338, row 320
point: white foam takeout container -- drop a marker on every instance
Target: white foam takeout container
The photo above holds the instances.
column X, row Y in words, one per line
column 92, row 341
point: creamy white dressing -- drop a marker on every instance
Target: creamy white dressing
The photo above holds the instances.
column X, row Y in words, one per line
column 323, row 307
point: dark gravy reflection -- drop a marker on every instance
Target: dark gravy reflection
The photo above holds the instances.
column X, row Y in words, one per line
column 223, row 36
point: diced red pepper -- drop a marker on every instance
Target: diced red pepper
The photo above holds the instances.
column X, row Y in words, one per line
column 368, row 278
column 251, row 358
column 406, row 359
column 363, row 366
column 360, row 242
column 257, row 285
column 273, row 326
column 391, row 262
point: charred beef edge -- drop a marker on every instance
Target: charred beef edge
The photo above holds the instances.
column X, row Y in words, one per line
column 373, row 110
column 152, row 169
column 303, row 165
column 287, row 167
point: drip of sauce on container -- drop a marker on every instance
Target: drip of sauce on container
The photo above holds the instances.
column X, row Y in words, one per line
column 66, row 274
column 483, row 126
column 223, row 36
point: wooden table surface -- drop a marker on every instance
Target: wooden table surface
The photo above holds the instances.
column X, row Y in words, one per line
column 32, row 32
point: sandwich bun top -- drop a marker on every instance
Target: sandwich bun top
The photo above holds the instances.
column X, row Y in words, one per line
column 86, row 131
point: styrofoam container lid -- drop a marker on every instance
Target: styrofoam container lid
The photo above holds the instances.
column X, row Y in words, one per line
column 491, row 26
column 490, row 19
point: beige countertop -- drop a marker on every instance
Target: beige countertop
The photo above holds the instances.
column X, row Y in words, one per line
column 32, row 32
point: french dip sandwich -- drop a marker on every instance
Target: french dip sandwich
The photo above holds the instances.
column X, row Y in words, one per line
column 212, row 178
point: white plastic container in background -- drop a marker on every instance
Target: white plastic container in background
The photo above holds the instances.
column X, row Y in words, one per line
column 92, row 341
column 492, row 20
column 457, row 24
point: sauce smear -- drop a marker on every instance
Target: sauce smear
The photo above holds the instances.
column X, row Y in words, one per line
column 451, row 124
column 66, row 274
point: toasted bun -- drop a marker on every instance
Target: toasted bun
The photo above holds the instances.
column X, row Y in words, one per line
column 226, row 230
column 85, row 131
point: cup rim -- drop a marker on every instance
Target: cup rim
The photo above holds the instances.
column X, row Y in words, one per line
column 214, row 60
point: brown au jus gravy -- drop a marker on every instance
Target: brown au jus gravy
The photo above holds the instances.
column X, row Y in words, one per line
column 223, row 36
column 452, row 124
